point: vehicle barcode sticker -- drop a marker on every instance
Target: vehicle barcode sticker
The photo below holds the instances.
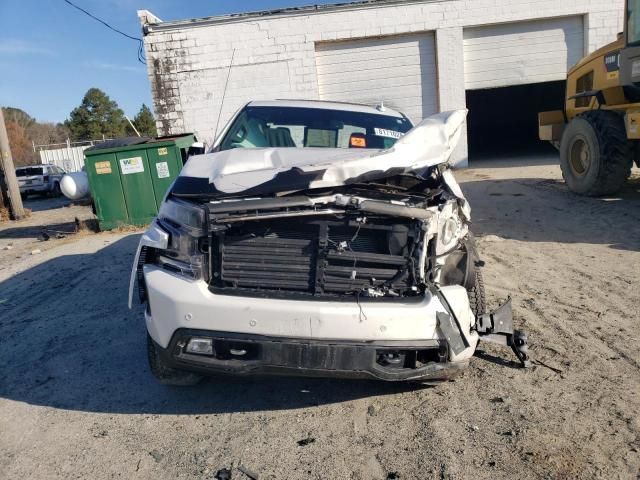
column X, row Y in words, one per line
column 383, row 132
column 131, row 165
column 163, row 169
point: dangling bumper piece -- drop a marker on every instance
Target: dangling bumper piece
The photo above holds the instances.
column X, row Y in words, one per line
column 497, row 327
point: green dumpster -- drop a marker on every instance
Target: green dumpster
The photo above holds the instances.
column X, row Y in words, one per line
column 128, row 177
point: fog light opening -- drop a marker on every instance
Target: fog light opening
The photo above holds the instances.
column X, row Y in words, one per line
column 391, row 359
column 200, row 346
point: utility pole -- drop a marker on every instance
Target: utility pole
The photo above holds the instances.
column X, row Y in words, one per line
column 8, row 172
column 133, row 126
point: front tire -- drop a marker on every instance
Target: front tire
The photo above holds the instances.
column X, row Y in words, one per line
column 165, row 374
column 477, row 298
column 595, row 155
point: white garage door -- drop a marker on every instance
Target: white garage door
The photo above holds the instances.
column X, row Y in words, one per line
column 523, row 52
column 399, row 70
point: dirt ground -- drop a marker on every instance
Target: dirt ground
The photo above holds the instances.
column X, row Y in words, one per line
column 77, row 399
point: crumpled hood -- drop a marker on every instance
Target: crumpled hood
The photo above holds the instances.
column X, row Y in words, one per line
column 270, row 170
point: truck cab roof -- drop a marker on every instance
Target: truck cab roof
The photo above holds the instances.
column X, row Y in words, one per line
column 325, row 105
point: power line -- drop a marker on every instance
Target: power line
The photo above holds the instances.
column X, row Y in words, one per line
column 141, row 58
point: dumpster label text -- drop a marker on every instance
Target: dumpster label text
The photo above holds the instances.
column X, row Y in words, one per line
column 131, row 165
column 163, row 169
column 163, row 151
column 103, row 168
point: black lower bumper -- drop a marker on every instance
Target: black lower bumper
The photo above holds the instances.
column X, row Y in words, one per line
column 32, row 191
column 242, row 354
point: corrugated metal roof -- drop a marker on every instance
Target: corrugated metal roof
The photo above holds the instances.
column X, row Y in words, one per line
column 281, row 12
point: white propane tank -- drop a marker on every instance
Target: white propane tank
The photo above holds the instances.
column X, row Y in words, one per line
column 75, row 185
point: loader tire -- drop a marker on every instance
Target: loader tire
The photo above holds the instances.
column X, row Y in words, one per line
column 595, row 155
column 476, row 295
column 165, row 374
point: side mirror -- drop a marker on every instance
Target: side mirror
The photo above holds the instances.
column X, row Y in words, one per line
column 196, row 149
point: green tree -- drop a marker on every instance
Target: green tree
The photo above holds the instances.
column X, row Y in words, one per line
column 96, row 116
column 145, row 122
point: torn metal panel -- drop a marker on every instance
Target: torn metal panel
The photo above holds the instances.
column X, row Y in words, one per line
column 451, row 333
column 261, row 171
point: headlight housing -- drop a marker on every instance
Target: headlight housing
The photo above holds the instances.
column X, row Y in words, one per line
column 183, row 213
column 449, row 231
column 186, row 224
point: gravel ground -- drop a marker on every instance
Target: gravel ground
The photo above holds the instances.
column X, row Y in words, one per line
column 52, row 218
column 77, row 399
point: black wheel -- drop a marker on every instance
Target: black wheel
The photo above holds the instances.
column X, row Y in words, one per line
column 56, row 190
column 165, row 374
column 477, row 299
column 595, row 155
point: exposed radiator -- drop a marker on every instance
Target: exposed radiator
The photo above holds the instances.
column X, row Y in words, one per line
column 268, row 263
column 317, row 258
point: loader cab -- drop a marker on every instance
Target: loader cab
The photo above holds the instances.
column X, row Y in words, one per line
column 630, row 55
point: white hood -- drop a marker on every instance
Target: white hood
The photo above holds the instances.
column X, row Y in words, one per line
column 234, row 171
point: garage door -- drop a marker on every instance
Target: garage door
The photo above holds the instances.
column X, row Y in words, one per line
column 523, row 52
column 399, row 70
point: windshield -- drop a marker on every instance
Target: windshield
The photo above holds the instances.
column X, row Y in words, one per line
column 633, row 22
column 28, row 172
column 263, row 127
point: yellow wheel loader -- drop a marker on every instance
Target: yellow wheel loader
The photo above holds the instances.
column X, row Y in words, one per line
column 598, row 132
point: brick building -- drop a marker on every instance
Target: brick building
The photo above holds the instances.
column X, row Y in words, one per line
column 503, row 59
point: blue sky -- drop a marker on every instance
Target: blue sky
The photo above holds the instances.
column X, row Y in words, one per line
column 51, row 54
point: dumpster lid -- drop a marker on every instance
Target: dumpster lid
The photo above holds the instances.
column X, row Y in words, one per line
column 119, row 142
column 169, row 138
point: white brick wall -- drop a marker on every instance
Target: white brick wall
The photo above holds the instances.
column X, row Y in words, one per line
column 275, row 56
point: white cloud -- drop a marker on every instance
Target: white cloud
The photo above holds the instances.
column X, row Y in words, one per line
column 13, row 46
column 114, row 66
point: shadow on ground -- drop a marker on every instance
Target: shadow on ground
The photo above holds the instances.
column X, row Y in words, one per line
column 544, row 210
column 37, row 231
column 526, row 158
column 70, row 342
column 42, row 203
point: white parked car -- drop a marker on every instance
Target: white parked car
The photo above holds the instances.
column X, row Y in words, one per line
column 41, row 179
column 322, row 239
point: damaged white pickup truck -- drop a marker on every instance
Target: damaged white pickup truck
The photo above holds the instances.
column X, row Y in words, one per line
column 322, row 239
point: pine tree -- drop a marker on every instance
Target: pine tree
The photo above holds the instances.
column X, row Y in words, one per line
column 96, row 116
column 145, row 122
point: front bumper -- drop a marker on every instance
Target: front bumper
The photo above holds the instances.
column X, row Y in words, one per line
column 242, row 354
column 177, row 303
column 27, row 189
